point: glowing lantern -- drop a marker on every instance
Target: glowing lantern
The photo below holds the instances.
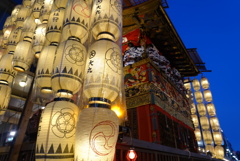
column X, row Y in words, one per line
column 46, row 10
column 36, row 9
column 6, row 35
column 201, row 109
column 211, row 109
column 69, row 66
column 97, row 134
column 57, row 129
column 5, row 93
column 23, row 56
column 15, row 12
column 210, row 148
column 204, row 83
column 214, row 123
column 219, row 152
column 198, row 96
column 204, row 122
column 76, row 21
column 44, row 68
column 207, row 95
column 193, row 108
column 9, row 22
column 23, row 13
column 207, row 136
column 13, row 39
column 106, row 19
column 103, row 70
column 7, row 73
column 187, row 84
column 59, row 4
column 54, row 27
column 198, row 134
column 131, row 155
column 28, row 29
column 217, row 136
column 195, row 120
column 28, row 3
column 39, row 39
column 196, row 85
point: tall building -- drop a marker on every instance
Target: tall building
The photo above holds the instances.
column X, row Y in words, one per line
column 155, row 61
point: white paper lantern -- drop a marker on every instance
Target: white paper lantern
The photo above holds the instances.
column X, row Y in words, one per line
column 56, row 133
column 29, row 27
column 39, row 39
column 204, row 122
column 59, row 4
column 201, row 109
column 7, row 74
column 54, row 26
column 219, row 152
column 15, row 12
column 210, row 148
column 193, row 108
column 23, row 56
column 13, row 39
column 103, row 70
column 195, row 120
column 211, row 109
column 28, row 3
column 6, row 35
column 196, row 85
column 44, row 68
column 207, row 136
column 36, row 9
column 69, row 66
column 217, row 136
column 198, row 134
column 9, row 22
column 97, row 135
column 198, row 96
column 23, row 13
column 204, row 83
column 106, row 19
column 207, row 95
column 46, row 10
column 5, row 93
column 214, row 123
column 76, row 21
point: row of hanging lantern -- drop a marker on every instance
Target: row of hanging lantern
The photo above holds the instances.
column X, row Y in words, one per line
column 57, row 32
column 204, row 118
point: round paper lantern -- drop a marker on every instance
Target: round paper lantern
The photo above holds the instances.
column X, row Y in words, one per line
column 15, row 12
column 76, row 21
column 103, row 70
column 207, row 136
column 219, row 152
column 106, row 19
column 198, row 134
column 217, row 136
column 7, row 74
column 193, row 108
column 23, row 13
column 9, row 22
column 204, row 83
column 44, row 68
column 187, row 84
column 211, row 109
column 5, row 93
column 59, row 4
column 201, row 109
column 210, row 148
column 46, row 10
column 54, row 26
column 56, row 134
column 198, row 96
column 39, row 39
column 3, row 51
column 29, row 27
column 6, row 35
column 196, row 85
column 214, row 123
column 97, row 134
column 23, row 60
column 69, row 66
column 195, row 120
column 204, row 122
column 13, row 39
column 28, row 3
column 36, row 9
column 207, row 95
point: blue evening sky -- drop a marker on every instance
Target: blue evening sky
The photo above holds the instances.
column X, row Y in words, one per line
column 213, row 27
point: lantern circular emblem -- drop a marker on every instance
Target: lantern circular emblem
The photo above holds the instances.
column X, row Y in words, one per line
column 113, row 59
column 75, row 55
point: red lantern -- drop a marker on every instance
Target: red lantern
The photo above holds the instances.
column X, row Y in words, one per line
column 131, row 155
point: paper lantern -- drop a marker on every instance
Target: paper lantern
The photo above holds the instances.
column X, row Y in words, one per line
column 219, row 152
column 36, row 9
column 54, row 26
column 76, row 21
column 211, row 109
column 198, row 134
column 204, row 83
column 7, row 74
column 207, row 136
column 196, row 85
column 103, row 70
column 3, row 51
column 207, row 95
column 97, row 134
column 187, row 84
column 56, row 134
column 29, row 27
column 217, row 136
column 46, row 10
column 59, row 4
column 9, row 22
column 15, row 12
column 23, row 56
column 193, row 108
column 204, row 122
column 5, row 93
column 106, row 19
column 214, row 123
column 210, row 148
column 6, row 35
column 13, row 39
column 198, row 96
column 39, row 39
column 201, row 109
column 69, row 66
column 195, row 120
column 28, row 3
column 131, row 155
column 23, row 13
column 44, row 68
